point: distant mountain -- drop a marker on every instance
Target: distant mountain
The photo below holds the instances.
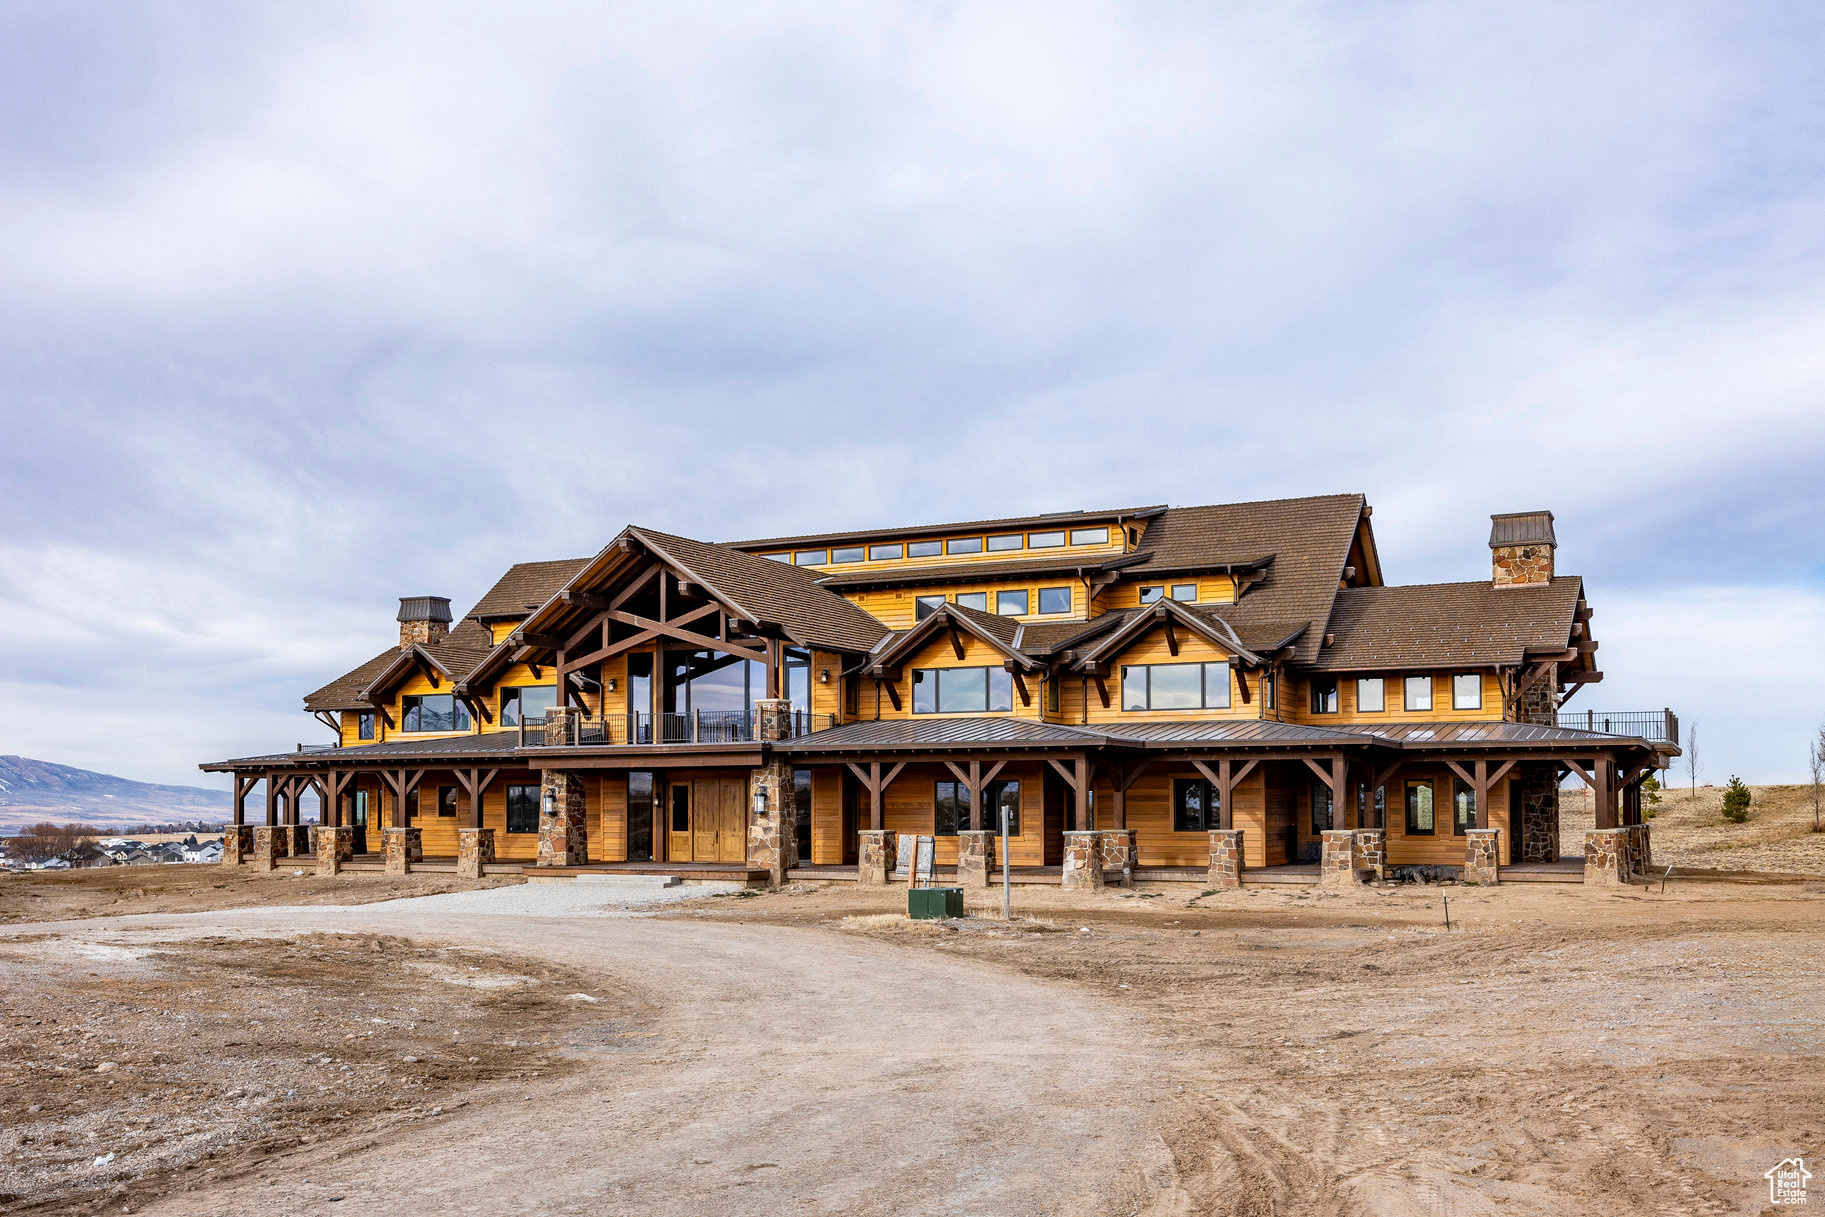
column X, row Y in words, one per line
column 32, row 791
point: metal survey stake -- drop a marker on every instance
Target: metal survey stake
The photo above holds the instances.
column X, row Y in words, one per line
column 1007, row 885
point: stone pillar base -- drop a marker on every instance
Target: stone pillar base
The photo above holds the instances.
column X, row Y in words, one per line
column 237, row 844
column 563, row 829
column 474, row 851
column 975, row 858
column 335, row 846
column 1337, row 862
column 874, row 857
column 1371, row 854
column 1116, row 850
column 1605, row 857
column 1482, row 855
column 1226, row 858
column 403, row 847
column 773, row 834
column 268, row 848
column 301, row 842
column 1083, row 868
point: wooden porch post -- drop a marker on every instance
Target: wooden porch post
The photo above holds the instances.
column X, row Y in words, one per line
column 874, row 795
column 272, row 799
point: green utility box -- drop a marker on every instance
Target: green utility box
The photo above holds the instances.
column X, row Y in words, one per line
column 934, row 903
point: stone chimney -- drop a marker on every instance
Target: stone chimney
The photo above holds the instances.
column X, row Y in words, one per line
column 1521, row 545
column 422, row 620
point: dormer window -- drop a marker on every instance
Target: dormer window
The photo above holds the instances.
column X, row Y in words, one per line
column 924, row 549
column 1002, row 544
column 432, row 712
column 527, row 704
column 963, row 545
column 1045, row 540
column 884, row 553
column 1467, row 691
column 1089, row 536
column 847, row 553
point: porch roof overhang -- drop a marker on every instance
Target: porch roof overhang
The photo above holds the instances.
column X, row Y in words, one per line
column 393, row 754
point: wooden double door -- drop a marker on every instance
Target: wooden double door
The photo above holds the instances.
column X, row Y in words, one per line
column 707, row 819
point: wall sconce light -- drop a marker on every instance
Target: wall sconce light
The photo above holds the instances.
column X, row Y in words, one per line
column 823, row 676
column 611, row 684
column 760, row 802
column 550, row 802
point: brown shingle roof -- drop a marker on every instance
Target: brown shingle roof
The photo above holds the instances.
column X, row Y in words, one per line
column 525, row 586
column 1309, row 538
column 344, row 692
column 1060, row 518
column 1447, row 624
column 788, row 596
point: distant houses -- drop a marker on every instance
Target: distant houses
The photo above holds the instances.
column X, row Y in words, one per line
column 118, row 851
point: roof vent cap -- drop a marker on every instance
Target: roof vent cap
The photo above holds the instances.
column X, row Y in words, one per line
column 1522, row 528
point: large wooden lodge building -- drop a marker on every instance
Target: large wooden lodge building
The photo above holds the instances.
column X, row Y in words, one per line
column 1209, row 693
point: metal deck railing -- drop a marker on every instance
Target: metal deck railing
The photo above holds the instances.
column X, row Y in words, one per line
column 1654, row 726
column 697, row 727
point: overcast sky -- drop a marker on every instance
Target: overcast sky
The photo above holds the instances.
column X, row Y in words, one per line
column 304, row 308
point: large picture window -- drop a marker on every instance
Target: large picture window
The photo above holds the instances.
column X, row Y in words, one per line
column 711, row 681
column 1195, row 806
column 522, row 809
column 950, row 808
column 1054, row 600
column 1467, row 691
column 1416, row 694
column 1011, row 604
column 433, row 712
column 1175, row 686
column 962, row 690
column 1419, row 809
column 528, row 703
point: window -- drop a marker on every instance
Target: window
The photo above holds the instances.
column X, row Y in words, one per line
column 1371, row 813
column 950, row 808
column 1045, row 540
column 847, row 553
column 1270, row 690
column 1321, row 807
column 1185, row 591
column 1371, row 695
column 882, row 553
column 962, row 690
column 1134, row 536
column 1011, row 604
column 1001, row 800
column 712, row 681
column 1175, row 686
column 446, row 801
column 1054, row 600
column 1419, row 809
column 925, row 606
column 527, row 703
column 923, row 549
column 963, row 545
column 1004, row 543
column 1052, row 697
column 777, row 557
column 411, row 806
column 1089, row 536
column 433, row 712
column 809, row 557
column 681, row 808
column 973, row 600
column 640, row 788
column 1467, row 691
column 1463, row 808
column 1194, row 806
column 1324, row 695
column 364, row 726
column 852, row 694
column 1151, row 594
column 801, row 812
column 796, row 669
column 1417, row 694
column 522, row 809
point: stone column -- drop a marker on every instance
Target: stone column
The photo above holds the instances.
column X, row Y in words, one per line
column 268, row 848
column 874, row 857
column 1604, row 860
column 335, row 846
column 1116, row 851
column 237, row 844
column 403, row 847
column 474, row 851
column 557, row 726
column 563, row 820
column 1083, row 869
column 975, row 858
column 1483, row 855
column 1226, row 858
column 1539, row 811
column 1337, row 862
column 773, row 833
column 1370, row 849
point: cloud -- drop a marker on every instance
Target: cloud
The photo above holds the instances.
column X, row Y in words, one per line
column 307, row 309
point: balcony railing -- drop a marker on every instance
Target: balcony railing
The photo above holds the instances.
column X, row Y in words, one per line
column 1654, row 726
column 697, row 727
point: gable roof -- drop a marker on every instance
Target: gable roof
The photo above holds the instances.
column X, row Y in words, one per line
column 524, row 587
column 1449, row 624
column 1308, row 539
column 1208, row 626
column 1001, row 633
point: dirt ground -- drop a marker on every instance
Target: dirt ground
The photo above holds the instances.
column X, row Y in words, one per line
column 1690, row 830
column 112, row 890
column 1554, row 1051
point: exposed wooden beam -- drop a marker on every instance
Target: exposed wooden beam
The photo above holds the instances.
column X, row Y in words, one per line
column 541, row 641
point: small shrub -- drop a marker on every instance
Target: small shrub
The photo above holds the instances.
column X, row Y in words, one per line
column 1736, row 801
